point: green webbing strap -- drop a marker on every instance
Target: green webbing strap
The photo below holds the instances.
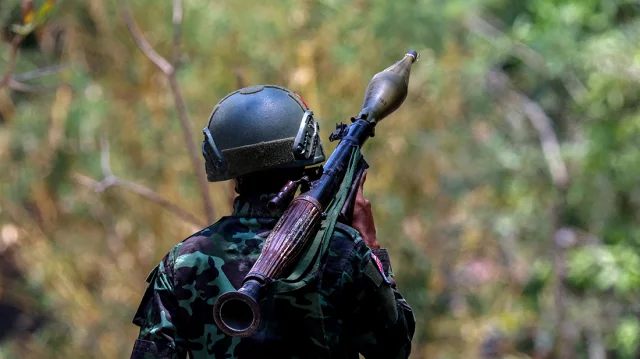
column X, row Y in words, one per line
column 309, row 263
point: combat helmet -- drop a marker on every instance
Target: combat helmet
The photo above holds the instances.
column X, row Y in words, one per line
column 258, row 128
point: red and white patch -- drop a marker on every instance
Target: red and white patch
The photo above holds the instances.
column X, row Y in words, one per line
column 380, row 267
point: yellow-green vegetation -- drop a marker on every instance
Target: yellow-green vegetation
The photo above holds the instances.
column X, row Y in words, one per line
column 506, row 187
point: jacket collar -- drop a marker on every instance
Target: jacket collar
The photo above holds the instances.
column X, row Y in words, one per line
column 255, row 206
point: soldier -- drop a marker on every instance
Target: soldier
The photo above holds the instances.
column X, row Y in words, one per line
column 353, row 308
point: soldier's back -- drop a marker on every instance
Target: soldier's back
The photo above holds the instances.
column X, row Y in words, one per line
column 306, row 323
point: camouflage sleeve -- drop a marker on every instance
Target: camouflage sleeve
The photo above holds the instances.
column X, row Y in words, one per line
column 382, row 322
column 156, row 314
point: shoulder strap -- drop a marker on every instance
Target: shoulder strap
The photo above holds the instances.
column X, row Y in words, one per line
column 309, row 264
column 348, row 231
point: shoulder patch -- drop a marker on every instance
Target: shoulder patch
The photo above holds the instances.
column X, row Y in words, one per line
column 374, row 270
column 380, row 267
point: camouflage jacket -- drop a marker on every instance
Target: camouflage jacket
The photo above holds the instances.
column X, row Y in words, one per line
column 361, row 310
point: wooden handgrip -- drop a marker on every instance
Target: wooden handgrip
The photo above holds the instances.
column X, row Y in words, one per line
column 287, row 239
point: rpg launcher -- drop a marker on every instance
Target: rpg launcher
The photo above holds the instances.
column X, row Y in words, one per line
column 237, row 313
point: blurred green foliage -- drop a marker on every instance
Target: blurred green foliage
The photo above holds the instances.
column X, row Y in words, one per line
column 481, row 237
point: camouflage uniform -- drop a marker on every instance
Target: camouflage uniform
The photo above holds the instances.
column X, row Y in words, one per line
column 353, row 306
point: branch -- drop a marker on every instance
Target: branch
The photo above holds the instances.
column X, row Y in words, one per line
column 558, row 250
column 145, row 192
column 15, row 43
column 177, row 30
column 508, row 247
column 560, row 238
column 15, row 81
column 105, row 157
column 38, row 73
column 110, row 180
column 527, row 55
column 142, row 43
column 548, row 141
column 31, row 20
column 170, row 71
column 500, row 82
column 19, row 86
column 198, row 167
column 487, row 31
column 595, row 343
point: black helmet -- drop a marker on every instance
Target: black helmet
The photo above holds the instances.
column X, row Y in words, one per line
column 258, row 128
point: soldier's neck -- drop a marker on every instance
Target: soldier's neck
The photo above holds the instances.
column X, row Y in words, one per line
column 255, row 206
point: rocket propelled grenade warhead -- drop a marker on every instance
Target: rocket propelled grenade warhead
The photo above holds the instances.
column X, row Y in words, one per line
column 387, row 90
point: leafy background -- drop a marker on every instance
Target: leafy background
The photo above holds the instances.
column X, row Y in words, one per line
column 506, row 187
